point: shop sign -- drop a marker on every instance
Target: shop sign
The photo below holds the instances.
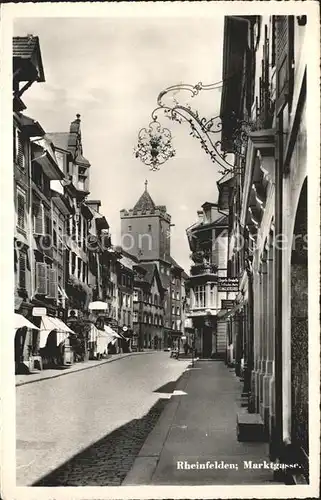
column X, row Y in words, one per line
column 227, row 284
column 227, row 304
column 39, row 311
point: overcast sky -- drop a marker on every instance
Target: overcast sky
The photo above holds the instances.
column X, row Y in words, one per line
column 111, row 72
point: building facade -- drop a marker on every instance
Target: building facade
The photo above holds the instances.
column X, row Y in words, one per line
column 148, row 306
column 145, row 233
column 208, row 242
column 269, row 190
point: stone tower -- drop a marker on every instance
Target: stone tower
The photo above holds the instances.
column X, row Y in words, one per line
column 145, row 229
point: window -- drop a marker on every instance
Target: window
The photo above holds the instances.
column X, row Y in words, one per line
column 22, row 270
column 52, row 275
column 199, row 292
column 173, row 294
column 124, row 300
column 21, row 208
column 79, row 267
column 135, row 316
column 178, row 312
column 41, row 278
column 84, row 272
column 135, row 296
column 73, row 263
column 167, row 272
column 173, row 310
column 155, row 299
column 149, row 228
column 145, row 317
column 81, row 182
column 129, row 228
column 54, row 234
column 177, row 296
column 173, row 325
column 212, row 295
column 128, row 318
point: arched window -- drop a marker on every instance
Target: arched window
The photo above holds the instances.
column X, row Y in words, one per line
column 145, row 318
column 156, row 299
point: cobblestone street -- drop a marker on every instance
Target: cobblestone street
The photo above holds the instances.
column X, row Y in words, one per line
column 86, row 428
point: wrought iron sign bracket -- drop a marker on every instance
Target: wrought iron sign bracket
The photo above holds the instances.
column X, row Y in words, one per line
column 154, row 145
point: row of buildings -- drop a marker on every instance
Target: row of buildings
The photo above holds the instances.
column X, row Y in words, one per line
column 246, row 297
column 71, row 283
column 255, row 234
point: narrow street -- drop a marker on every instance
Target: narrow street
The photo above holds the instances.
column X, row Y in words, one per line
column 87, row 428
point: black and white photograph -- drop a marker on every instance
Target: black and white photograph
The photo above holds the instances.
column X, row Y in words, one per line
column 160, row 267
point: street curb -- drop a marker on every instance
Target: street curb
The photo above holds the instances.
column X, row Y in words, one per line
column 147, row 459
column 110, row 360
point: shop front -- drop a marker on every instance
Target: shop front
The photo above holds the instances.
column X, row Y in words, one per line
column 55, row 346
column 26, row 347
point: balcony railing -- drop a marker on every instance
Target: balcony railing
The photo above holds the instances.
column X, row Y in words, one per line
column 203, row 269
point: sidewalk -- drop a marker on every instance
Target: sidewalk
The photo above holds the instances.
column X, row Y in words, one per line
column 200, row 426
column 76, row 367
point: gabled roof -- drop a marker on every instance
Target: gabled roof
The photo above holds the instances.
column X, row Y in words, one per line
column 26, row 50
column 59, row 139
column 174, row 263
column 151, row 271
column 31, row 126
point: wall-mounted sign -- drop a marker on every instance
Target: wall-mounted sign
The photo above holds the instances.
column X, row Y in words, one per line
column 227, row 304
column 227, row 284
column 39, row 311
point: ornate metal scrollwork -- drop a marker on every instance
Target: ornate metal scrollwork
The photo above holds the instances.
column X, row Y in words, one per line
column 154, row 144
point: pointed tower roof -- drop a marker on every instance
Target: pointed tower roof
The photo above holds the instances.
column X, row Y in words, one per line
column 145, row 202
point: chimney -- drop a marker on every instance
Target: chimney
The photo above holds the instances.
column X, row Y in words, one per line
column 94, row 204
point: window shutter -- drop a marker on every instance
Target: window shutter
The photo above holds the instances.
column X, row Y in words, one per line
column 22, row 270
column 20, row 156
column 21, row 206
column 15, row 256
column 38, row 218
column 41, row 278
column 53, row 283
column 284, row 45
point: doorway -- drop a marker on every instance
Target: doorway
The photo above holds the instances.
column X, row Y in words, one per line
column 207, row 342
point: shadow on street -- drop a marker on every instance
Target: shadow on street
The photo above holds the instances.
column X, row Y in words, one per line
column 106, row 462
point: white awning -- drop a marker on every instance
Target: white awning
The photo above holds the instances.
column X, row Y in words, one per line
column 98, row 306
column 106, row 334
column 48, row 324
column 62, row 327
column 20, row 321
column 111, row 332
